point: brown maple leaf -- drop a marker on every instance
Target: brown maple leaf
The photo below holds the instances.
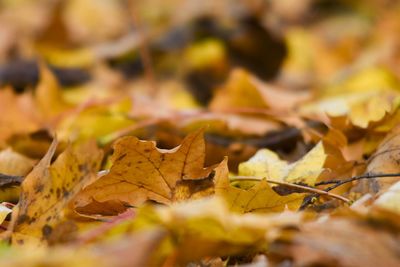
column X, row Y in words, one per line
column 140, row 172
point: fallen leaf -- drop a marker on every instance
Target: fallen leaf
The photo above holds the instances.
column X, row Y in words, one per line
column 4, row 211
column 213, row 231
column 13, row 163
column 385, row 160
column 336, row 242
column 48, row 189
column 266, row 164
column 48, row 96
column 390, row 200
column 260, row 197
column 21, row 114
column 141, row 172
column 243, row 90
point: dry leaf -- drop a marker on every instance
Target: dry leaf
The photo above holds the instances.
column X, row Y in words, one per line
column 337, row 242
column 243, row 90
column 258, row 198
column 214, row 231
column 266, row 164
column 141, row 172
column 48, row 189
column 13, row 163
column 385, row 160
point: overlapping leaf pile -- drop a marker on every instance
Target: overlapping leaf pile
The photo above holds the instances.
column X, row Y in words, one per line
column 237, row 133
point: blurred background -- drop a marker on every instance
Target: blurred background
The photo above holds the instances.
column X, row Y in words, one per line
column 168, row 59
column 295, row 43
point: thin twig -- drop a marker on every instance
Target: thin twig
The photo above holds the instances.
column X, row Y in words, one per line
column 302, row 187
column 338, row 183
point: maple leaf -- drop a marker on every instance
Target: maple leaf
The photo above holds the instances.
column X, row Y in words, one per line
column 140, row 171
column 48, row 189
column 258, row 198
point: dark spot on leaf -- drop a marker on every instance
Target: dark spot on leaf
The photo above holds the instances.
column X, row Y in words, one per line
column 121, row 157
column 83, row 168
column 46, row 230
column 65, row 193
column 23, row 218
column 39, row 188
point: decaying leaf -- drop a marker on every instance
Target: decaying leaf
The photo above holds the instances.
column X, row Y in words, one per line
column 141, row 172
column 48, row 189
column 302, row 97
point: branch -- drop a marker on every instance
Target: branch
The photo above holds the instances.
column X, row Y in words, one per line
column 301, row 187
column 338, row 183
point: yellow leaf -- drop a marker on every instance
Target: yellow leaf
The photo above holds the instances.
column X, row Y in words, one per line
column 258, row 198
column 95, row 122
column 48, row 188
column 212, row 229
column 266, row 164
column 308, row 168
column 48, row 95
column 4, row 211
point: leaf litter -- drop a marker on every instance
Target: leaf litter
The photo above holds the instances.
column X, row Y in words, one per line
column 199, row 133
